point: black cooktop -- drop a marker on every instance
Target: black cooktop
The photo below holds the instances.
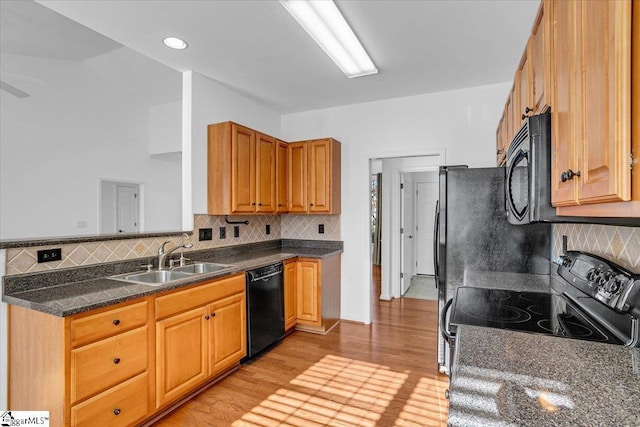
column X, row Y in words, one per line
column 536, row 312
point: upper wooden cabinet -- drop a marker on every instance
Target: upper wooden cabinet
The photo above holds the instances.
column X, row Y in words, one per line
column 539, row 51
column 314, row 176
column 591, row 102
column 282, row 177
column 241, row 170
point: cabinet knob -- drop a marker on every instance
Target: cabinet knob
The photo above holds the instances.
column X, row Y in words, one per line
column 116, row 360
column 311, row 204
column 447, row 394
column 206, row 317
column 568, row 175
column 116, row 322
column 116, row 411
column 259, row 204
column 500, row 151
column 213, row 314
column 279, row 204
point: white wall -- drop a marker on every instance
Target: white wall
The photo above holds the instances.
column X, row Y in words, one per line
column 214, row 103
column 165, row 130
column 461, row 123
column 90, row 120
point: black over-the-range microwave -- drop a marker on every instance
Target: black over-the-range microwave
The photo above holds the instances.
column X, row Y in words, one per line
column 528, row 178
column 528, row 181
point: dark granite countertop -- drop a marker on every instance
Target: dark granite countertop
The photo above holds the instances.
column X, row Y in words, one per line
column 507, row 378
column 71, row 292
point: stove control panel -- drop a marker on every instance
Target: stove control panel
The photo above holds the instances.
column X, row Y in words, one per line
column 604, row 280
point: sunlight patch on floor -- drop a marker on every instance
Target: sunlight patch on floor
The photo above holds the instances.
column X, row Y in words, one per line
column 338, row 392
column 423, row 408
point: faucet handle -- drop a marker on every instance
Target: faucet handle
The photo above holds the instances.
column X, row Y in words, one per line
column 183, row 259
column 147, row 266
column 173, row 262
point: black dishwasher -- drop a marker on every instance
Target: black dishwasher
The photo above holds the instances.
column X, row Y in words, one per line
column 265, row 307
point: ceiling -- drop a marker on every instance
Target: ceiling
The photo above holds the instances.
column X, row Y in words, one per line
column 258, row 49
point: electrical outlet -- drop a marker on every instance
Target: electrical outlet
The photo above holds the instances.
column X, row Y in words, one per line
column 321, row 228
column 268, row 229
column 48, row 255
column 236, row 231
column 205, row 234
column 223, row 232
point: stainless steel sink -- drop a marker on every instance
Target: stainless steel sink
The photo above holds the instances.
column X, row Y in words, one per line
column 153, row 278
column 161, row 277
column 202, row 268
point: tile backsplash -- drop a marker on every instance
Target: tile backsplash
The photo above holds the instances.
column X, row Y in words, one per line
column 611, row 242
column 305, row 227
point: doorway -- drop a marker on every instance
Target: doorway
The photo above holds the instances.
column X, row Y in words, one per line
column 119, row 207
column 399, row 219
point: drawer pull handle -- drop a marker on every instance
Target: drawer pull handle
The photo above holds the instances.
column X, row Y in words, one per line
column 117, row 411
column 116, row 360
column 116, row 322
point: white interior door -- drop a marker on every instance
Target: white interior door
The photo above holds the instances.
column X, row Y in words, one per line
column 427, row 195
column 127, row 208
column 407, row 234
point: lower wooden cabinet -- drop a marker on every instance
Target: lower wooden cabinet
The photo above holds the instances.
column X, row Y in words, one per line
column 120, row 365
column 312, row 294
column 290, row 294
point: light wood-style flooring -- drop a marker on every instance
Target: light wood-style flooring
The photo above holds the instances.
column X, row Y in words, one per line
column 379, row 375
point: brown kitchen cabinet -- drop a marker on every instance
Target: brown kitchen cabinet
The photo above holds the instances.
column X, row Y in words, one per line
column 314, row 176
column 96, row 366
column 282, row 177
column 539, row 53
column 591, row 105
column 290, row 294
column 317, row 293
column 200, row 332
column 241, row 170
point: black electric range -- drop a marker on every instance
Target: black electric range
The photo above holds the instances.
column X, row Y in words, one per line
column 594, row 300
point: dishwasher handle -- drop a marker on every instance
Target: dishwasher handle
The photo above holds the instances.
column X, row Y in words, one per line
column 253, row 277
column 443, row 321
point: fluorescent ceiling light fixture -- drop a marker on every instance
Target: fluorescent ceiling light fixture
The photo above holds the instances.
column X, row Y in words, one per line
column 174, row 43
column 326, row 25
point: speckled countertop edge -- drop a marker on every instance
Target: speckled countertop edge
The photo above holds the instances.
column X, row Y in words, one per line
column 65, row 299
column 508, row 378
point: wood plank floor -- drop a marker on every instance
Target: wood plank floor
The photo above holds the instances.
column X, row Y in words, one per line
column 379, row 375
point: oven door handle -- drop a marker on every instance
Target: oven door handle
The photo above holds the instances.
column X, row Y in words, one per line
column 512, row 206
column 443, row 321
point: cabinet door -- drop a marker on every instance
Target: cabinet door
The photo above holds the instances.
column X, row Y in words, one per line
column 320, row 176
column 501, row 143
column 308, row 291
column 524, row 88
column 181, row 354
column 265, row 173
column 297, row 177
column 290, row 295
column 243, row 169
column 227, row 332
column 604, row 132
column 509, row 111
column 540, row 59
column 563, row 111
column 282, row 176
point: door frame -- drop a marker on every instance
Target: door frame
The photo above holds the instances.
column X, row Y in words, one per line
column 115, row 182
column 390, row 275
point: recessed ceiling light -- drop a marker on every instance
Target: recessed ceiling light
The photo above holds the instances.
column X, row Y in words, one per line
column 174, row 43
column 326, row 25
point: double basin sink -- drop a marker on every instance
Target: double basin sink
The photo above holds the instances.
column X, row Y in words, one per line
column 162, row 277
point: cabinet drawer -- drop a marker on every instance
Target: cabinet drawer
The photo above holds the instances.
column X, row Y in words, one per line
column 108, row 323
column 121, row 405
column 195, row 296
column 98, row 366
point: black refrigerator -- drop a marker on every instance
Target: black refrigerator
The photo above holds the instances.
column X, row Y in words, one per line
column 472, row 233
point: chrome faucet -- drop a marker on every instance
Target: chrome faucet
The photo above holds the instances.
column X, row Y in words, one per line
column 162, row 254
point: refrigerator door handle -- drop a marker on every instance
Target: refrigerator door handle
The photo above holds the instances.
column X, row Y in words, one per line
column 443, row 322
column 436, row 229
